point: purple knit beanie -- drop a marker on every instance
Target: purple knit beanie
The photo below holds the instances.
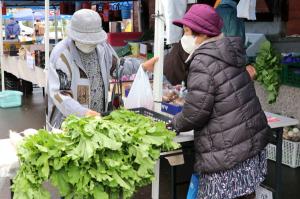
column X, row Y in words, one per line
column 202, row 18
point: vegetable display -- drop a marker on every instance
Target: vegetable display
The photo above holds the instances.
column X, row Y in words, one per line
column 101, row 158
column 268, row 68
column 292, row 134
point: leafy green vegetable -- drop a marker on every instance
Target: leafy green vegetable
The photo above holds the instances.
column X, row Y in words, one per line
column 93, row 157
column 268, row 70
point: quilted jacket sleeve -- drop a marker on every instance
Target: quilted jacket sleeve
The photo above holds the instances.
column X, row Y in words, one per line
column 199, row 101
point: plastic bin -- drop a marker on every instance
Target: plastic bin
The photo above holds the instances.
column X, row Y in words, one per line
column 10, row 99
column 290, row 153
column 170, row 108
column 152, row 114
column 291, row 74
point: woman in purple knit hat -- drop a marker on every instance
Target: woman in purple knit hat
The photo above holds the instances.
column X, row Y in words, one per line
column 222, row 108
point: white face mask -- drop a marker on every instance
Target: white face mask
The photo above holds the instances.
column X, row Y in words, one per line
column 85, row 48
column 188, row 43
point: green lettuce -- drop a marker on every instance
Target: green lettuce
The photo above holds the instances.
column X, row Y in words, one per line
column 93, row 158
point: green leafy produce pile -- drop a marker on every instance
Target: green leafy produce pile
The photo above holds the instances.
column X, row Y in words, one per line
column 93, row 157
column 268, row 70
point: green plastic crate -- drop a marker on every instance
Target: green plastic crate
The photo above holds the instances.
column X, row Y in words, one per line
column 291, row 74
column 10, row 98
column 123, row 51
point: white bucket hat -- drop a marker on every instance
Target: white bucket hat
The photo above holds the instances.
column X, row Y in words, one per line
column 86, row 27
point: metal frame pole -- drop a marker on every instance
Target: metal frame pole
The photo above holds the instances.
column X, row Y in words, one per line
column 55, row 25
column 278, row 170
column 158, row 78
column 47, row 51
column 158, row 51
column 1, row 48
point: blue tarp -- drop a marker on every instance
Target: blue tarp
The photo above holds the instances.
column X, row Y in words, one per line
column 30, row 15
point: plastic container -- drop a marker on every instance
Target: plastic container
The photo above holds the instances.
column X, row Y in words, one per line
column 10, row 99
column 152, row 114
column 290, row 153
column 291, row 74
column 123, row 51
column 170, row 108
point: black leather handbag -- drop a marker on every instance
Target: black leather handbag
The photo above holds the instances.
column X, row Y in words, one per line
column 116, row 97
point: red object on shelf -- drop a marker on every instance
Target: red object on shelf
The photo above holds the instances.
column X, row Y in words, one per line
column 105, row 12
column 63, row 8
column 86, row 5
column 121, row 38
column 67, row 8
column 3, row 9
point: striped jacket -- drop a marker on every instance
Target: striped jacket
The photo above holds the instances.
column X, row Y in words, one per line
column 68, row 87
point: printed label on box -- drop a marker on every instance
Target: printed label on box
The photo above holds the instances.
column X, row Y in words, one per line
column 164, row 107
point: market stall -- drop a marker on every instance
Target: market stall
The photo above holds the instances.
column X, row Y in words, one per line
column 22, row 70
column 23, row 58
column 10, row 163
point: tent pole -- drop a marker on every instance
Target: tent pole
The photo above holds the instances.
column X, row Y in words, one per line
column 62, row 27
column 55, row 25
column 158, row 78
column 47, row 53
column 158, row 51
column 1, row 49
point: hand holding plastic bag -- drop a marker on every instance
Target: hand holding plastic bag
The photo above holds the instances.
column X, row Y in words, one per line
column 140, row 94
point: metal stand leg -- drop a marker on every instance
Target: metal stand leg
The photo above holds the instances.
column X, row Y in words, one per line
column 43, row 91
column 155, row 183
column 11, row 192
column 173, row 182
column 278, row 193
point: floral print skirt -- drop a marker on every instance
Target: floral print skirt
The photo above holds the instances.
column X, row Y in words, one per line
column 241, row 180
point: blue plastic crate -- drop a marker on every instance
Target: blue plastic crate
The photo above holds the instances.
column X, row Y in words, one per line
column 10, row 98
column 170, row 108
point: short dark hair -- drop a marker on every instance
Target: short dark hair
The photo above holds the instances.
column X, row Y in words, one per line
column 195, row 33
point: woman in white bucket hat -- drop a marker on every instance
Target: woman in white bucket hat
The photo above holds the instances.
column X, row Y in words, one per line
column 79, row 71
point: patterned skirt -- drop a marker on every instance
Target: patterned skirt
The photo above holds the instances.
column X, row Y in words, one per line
column 241, row 180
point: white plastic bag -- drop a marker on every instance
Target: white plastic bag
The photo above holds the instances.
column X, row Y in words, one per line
column 247, row 9
column 140, row 94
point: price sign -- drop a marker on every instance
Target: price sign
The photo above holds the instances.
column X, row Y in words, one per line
column 30, row 60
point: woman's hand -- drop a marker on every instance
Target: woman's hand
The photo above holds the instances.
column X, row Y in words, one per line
column 91, row 113
column 251, row 70
column 149, row 64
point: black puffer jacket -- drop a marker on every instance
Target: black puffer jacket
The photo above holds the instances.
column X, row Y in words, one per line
column 222, row 107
